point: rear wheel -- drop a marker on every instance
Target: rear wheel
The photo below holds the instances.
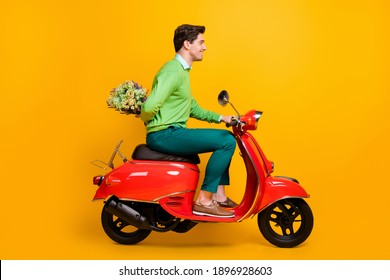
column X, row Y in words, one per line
column 286, row 223
column 120, row 231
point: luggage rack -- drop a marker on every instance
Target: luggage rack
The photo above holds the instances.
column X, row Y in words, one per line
column 110, row 164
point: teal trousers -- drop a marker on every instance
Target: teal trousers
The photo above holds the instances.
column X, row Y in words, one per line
column 185, row 141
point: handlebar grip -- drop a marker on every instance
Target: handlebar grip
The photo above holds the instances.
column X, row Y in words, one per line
column 233, row 122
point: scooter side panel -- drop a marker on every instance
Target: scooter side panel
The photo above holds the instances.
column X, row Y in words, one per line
column 149, row 180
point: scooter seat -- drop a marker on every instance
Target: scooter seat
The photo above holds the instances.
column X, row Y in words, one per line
column 143, row 152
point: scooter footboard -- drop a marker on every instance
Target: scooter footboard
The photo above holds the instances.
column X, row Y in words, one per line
column 280, row 187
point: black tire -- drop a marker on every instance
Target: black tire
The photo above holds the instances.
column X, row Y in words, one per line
column 120, row 231
column 286, row 223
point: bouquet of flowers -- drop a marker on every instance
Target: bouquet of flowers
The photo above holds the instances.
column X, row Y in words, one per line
column 127, row 98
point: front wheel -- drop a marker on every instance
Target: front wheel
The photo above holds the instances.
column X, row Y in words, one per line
column 286, row 223
column 120, row 231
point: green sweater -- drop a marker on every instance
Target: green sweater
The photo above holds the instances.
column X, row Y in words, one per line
column 170, row 102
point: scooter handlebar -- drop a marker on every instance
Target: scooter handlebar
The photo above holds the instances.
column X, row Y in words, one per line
column 233, row 122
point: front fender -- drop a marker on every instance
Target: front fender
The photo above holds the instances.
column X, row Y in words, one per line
column 277, row 188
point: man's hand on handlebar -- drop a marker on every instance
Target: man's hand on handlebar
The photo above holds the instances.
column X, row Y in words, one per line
column 229, row 120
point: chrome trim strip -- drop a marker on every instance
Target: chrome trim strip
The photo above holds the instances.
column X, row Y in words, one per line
column 171, row 194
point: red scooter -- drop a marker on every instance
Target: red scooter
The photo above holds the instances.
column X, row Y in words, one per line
column 155, row 192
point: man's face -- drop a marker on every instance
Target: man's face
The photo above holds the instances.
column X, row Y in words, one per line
column 196, row 48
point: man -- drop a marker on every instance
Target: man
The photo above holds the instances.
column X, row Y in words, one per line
column 167, row 110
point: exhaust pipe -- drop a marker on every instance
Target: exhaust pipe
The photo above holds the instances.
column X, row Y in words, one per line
column 115, row 207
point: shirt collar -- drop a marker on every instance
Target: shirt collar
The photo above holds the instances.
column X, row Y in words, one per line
column 182, row 62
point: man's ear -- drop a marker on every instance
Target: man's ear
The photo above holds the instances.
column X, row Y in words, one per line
column 186, row 44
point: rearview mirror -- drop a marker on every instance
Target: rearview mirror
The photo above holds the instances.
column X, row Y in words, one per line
column 223, row 98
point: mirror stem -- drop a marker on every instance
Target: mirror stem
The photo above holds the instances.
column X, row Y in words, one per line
column 234, row 108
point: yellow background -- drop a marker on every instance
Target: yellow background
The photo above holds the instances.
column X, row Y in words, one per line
column 318, row 69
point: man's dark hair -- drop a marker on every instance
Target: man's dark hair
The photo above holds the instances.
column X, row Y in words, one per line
column 186, row 32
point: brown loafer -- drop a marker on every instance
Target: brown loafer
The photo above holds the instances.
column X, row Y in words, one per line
column 212, row 210
column 228, row 203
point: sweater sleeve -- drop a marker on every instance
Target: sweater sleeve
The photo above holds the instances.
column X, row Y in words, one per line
column 199, row 113
column 164, row 85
